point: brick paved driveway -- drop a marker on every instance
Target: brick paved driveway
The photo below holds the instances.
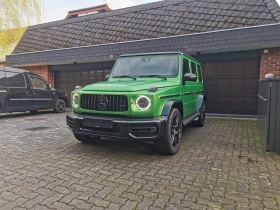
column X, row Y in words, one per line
column 221, row 166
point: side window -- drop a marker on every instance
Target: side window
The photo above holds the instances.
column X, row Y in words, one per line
column 199, row 70
column 186, row 67
column 38, row 83
column 3, row 80
column 194, row 68
column 15, row 80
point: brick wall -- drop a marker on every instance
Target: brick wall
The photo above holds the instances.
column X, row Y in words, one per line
column 42, row 71
column 270, row 62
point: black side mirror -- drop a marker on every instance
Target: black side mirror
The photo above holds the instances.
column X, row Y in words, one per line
column 49, row 86
column 107, row 77
column 190, row 77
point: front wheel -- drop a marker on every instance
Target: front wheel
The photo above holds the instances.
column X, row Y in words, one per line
column 170, row 143
column 60, row 106
column 86, row 139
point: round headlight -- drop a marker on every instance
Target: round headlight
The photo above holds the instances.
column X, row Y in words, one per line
column 143, row 103
column 75, row 100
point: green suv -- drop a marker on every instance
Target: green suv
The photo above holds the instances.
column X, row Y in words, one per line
column 146, row 97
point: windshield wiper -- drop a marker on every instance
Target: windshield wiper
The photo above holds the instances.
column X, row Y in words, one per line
column 158, row 76
column 125, row 76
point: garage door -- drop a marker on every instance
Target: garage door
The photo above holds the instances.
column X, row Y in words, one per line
column 68, row 80
column 232, row 86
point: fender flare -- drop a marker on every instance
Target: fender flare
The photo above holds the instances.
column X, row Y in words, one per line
column 168, row 106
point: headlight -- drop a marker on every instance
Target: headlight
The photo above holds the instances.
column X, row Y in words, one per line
column 143, row 103
column 75, row 100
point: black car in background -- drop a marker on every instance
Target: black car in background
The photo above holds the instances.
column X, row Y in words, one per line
column 22, row 91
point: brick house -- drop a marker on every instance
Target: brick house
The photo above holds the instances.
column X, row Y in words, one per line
column 237, row 41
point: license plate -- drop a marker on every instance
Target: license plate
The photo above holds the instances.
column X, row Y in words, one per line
column 98, row 123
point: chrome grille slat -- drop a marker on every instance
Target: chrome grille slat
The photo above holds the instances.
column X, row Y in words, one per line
column 116, row 103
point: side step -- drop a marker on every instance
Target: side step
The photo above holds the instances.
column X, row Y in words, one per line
column 190, row 118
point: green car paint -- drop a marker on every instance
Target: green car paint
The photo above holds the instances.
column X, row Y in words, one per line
column 158, row 90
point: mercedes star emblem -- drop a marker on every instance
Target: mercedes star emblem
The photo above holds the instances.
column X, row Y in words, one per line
column 102, row 103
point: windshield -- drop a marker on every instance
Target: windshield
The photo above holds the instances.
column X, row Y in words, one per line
column 148, row 65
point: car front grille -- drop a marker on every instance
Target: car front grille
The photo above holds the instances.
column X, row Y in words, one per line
column 112, row 103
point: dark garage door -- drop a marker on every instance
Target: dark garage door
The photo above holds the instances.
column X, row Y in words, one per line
column 232, row 86
column 68, row 80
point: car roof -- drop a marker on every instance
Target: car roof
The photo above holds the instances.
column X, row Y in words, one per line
column 158, row 53
column 14, row 70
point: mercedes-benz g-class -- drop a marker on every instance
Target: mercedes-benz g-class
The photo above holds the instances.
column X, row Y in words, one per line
column 147, row 96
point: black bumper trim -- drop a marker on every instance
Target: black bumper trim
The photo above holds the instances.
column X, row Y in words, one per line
column 122, row 127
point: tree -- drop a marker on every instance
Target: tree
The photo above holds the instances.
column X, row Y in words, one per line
column 15, row 16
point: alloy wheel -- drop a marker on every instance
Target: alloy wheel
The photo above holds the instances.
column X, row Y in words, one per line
column 61, row 106
column 176, row 131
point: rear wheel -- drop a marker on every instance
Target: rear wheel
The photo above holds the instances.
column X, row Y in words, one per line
column 170, row 143
column 60, row 106
column 200, row 122
column 86, row 139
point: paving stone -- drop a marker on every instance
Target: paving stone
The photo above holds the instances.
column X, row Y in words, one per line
column 220, row 166
column 80, row 204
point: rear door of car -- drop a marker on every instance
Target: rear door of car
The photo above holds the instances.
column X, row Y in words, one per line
column 197, row 85
column 20, row 95
column 42, row 95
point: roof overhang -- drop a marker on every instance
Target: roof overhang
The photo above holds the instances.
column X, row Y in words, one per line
column 248, row 38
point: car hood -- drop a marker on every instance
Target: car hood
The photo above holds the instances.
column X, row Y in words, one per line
column 128, row 86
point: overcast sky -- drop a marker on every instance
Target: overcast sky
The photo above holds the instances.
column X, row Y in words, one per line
column 57, row 9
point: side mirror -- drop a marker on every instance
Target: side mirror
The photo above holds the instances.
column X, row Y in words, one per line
column 49, row 86
column 107, row 77
column 78, row 87
column 190, row 77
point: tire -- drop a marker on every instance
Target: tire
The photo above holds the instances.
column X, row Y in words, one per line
column 60, row 106
column 86, row 139
column 170, row 143
column 200, row 122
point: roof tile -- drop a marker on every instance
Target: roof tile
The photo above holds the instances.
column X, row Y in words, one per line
column 163, row 18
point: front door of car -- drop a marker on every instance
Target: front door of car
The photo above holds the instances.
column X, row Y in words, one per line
column 188, row 97
column 42, row 95
column 19, row 93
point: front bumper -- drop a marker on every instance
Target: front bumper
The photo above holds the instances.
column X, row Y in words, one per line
column 129, row 128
